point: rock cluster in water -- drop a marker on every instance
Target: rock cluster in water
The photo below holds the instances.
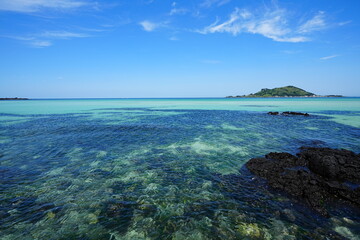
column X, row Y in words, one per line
column 315, row 175
column 289, row 113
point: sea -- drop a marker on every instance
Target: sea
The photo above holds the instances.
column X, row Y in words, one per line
column 111, row 169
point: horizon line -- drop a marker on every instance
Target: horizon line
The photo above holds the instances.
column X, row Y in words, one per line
column 84, row 98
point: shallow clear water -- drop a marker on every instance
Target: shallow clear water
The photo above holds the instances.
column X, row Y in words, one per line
column 162, row 168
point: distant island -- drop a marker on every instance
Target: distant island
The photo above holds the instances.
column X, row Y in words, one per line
column 288, row 91
column 16, row 98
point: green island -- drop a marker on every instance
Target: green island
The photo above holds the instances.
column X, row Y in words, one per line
column 288, row 91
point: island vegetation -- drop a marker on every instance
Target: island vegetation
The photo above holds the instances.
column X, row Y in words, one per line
column 288, row 91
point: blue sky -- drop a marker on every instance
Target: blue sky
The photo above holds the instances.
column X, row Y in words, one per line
column 160, row 48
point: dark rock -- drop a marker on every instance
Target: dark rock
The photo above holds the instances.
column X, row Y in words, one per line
column 313, row 182
column 295, row 113
column 315, row 175
column 333, row 164
column 289, row 113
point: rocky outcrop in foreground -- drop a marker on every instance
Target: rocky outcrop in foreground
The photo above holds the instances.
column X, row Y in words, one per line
column 315, row 176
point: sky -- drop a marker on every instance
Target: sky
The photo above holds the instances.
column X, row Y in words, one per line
column 161, row 48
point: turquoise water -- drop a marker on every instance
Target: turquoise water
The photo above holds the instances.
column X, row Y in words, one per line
column 163, row 168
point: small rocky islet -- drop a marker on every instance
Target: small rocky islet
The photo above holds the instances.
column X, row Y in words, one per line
column 315, row 176
column 287, row 91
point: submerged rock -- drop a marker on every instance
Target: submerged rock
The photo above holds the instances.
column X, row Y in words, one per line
column 315, row 175
column 289, row 113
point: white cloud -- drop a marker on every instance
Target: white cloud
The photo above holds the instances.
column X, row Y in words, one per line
column 329, row 57
column 32, row 41
column 344, row 23
column 271, row 23
column 150, row 26
column 21, row 38
column 40, row 43
column 37, row 5
column 314, row 24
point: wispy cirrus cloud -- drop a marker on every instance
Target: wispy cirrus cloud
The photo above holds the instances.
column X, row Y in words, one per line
column 274, row 23
column 40, row 43
column 32, row 41
column 329, row 57
column 314, row 24
column 43, row 9
column 344, row 23
column 28, row 6
column 46, row 39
